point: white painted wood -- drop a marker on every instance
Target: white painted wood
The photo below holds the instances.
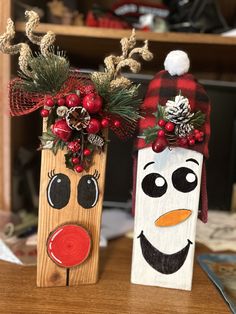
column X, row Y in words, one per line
column 169, row 239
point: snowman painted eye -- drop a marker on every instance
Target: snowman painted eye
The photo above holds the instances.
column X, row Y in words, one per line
column 58, row 190
column 154, row 185
column 184, row 179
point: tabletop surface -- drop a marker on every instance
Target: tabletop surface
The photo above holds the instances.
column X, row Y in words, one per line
column 112, row 294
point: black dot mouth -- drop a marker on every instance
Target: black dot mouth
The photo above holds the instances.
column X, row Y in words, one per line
column 161, row 262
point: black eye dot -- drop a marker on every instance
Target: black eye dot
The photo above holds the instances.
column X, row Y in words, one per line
column 88, row 191
column 58, row 191
column 184, row 179
column 154, row 185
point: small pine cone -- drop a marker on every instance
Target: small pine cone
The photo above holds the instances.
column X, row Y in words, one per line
column 179, row 110
column 96, row 140
column 77, row 118
column 184, row 129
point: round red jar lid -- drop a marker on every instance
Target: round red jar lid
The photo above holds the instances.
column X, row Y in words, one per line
column 69, row 245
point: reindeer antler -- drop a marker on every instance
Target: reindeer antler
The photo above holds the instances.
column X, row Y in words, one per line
column 22, row 48
column 114, row 64
column 43, row 41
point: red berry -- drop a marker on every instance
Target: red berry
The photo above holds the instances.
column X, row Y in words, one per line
column 191, row 142
column 196, row 131
column 74, row 146
column 92, row 103
column 161, row 133
column 105, row 123
column 200, row 139
column 72, row 100
column 75, row 160
column 201, row 133
column 161, row 122
column 88, row 89
column 61, row 101
column 44, row 113
column 61, row 129
column 78, row 168
column 49, row 102
column 183, row 142
column 87, row 152
column 117, row 123
column 198, row 136
column 94, row 126
column 159, row 144
column 169, row 126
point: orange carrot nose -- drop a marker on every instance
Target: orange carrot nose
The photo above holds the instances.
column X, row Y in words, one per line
column 173, row 217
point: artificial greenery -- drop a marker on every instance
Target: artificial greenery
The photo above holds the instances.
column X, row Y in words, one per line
column 150, row 133
column 119, row 101
column 198, row 119
column 48, row 73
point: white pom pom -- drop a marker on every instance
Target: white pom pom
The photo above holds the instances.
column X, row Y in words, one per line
column 177, row 62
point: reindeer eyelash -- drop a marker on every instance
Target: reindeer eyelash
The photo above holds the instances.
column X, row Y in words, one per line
column 96, row 175
column 51, row 174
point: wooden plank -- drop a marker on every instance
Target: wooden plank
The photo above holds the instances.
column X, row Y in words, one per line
column 49, row 273
column 162, row 183
column 5, row 134
column 168, row 37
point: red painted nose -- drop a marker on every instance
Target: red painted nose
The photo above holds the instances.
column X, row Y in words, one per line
column 69, row 245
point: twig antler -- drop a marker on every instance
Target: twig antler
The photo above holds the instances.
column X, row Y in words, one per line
column 114, row 64
column 22, row 48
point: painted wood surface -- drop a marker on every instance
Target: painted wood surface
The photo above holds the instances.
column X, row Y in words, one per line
column 5, row 126
column 166, row 209
column 71, row 212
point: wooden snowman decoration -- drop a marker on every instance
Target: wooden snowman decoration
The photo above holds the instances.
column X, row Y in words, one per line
column 170, row 175
column 78, row 111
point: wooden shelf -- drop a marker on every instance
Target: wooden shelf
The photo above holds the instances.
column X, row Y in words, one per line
column 212, row 56
column 106, row 33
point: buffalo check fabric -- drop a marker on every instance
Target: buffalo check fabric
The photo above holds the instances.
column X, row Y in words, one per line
column 164, row 87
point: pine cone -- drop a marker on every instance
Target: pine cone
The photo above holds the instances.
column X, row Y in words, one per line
column 77, row 118
column 179, row 110
column 183, row 129
column 96, row 140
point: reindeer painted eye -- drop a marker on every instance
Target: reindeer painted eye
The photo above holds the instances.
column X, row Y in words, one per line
column 184, row 179
column 154, row 185
column 58, row 190
column 88, row 191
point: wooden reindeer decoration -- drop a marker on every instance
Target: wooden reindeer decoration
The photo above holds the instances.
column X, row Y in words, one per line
column 77, row 112
column 169, row 176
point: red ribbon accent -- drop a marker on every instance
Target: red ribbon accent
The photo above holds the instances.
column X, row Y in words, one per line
column 23, row 102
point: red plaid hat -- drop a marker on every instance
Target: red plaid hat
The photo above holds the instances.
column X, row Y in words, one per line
column 165, row 86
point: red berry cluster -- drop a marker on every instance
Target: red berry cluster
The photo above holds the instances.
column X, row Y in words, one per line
column 84, row 96
column 167, row 128
column 74, row 148
column 161, row 141
column 193, row 138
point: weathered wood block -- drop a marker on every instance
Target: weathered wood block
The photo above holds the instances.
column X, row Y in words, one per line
column 68, row 256
column 166, row 210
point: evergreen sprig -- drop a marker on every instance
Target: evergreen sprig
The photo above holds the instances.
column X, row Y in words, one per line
column 198, row 119
column 48, row 73
column 124, row 102
column 150, row 133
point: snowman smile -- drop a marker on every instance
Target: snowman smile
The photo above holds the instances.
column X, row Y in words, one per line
column 161, row 262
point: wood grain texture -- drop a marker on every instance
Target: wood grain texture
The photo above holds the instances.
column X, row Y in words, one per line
column 48, row 273
column 113, row 294
column 5, row 134
column 167, row 240
column 96, row 32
